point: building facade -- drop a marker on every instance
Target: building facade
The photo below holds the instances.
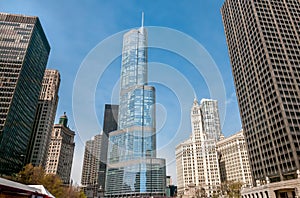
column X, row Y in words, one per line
column 44, row 118
column 110, row 123
column 197, row 158
column 91, row 165
column 263, row 42
column 24, row 52
column 233, row 159
column 61, row 150
column 288, row 188
column 132, row 168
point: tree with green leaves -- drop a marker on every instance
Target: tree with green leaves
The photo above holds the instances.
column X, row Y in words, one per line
column 31, row 175
column 231, row 189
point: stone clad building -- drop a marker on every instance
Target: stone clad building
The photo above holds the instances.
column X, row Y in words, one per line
column 234, row 160
column 197, row 158
column 61, row 150
column 44, row 118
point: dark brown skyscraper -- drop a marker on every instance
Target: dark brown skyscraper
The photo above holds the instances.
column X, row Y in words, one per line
column 110, row 123
column 264, row 46
column 24, row 51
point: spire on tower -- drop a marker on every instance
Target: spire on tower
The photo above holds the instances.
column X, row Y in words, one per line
column 195, row 101
column 142, row 19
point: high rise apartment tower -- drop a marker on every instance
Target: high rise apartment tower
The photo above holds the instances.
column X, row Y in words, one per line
column 132, row 168
column 91, row 165
column 44, row 118
column 24, row 51
column 263, row 40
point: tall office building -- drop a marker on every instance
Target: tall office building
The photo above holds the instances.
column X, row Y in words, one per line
column 91, row 165
column 44, row 118
column 61, row 150
column 24, row 52
column 110, row 123
column 133, row 169
column 207, row 113
column 263, row 39
column 197, row 158
column 95, row 155
column 233, row 159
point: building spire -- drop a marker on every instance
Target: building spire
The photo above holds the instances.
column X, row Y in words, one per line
column 63, row 119
column 142, row 19
column 195, row 101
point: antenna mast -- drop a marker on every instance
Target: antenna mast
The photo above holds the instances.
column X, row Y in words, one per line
column 142, row 19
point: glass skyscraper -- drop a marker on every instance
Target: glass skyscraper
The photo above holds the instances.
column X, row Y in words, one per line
column 133, row 169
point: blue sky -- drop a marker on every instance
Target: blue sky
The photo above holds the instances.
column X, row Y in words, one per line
column 77, row 30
